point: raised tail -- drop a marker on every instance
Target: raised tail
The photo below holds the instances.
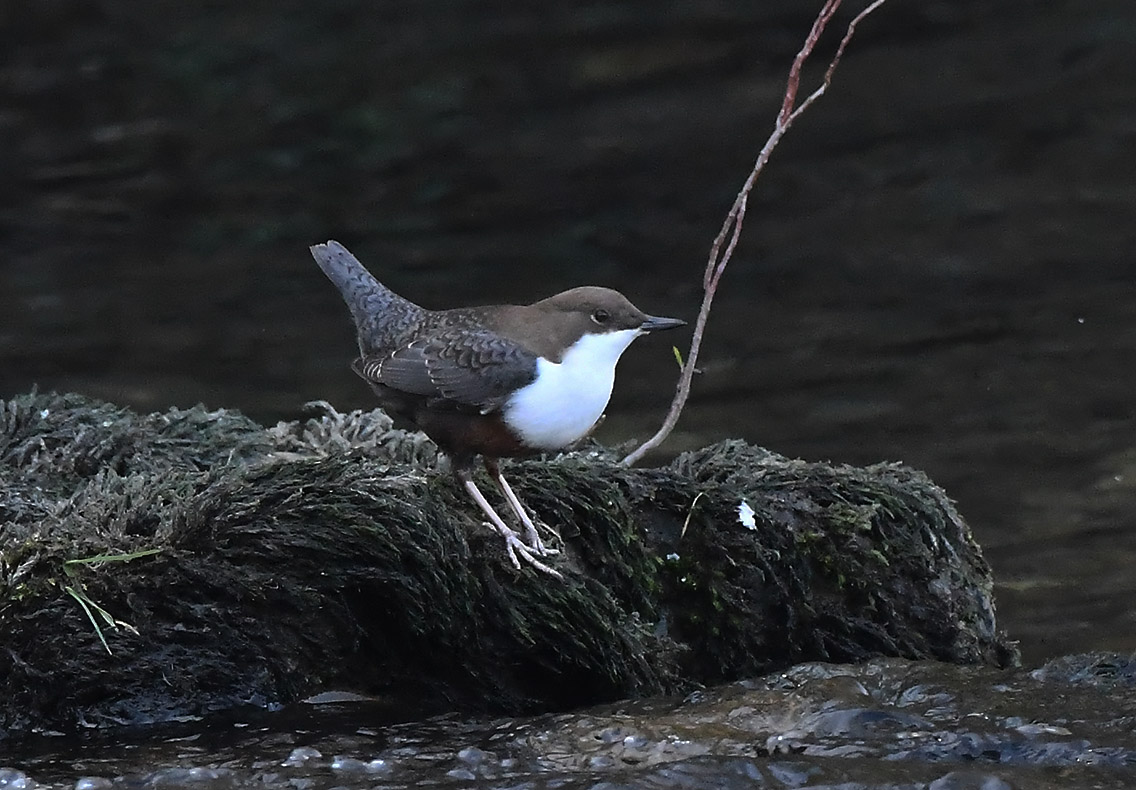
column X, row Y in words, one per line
column 382, row 317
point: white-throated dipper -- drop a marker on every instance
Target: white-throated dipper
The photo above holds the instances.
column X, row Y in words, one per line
column 497, row 381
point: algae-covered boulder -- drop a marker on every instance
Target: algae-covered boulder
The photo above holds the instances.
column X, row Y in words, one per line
column 154, row 566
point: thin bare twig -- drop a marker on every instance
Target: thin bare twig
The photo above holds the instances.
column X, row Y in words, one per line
column 732, row 227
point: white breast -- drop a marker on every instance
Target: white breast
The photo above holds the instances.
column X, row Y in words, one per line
column 567, row 398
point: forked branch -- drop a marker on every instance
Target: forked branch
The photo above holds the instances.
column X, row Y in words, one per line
column 732, row 226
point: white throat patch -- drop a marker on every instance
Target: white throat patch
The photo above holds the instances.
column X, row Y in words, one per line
column 567, row 398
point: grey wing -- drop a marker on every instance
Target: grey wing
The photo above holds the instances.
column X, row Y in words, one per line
column 478, row 369
column 404, row 370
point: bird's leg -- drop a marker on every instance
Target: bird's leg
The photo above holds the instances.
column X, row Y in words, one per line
column 531, row 534
column 513, row 543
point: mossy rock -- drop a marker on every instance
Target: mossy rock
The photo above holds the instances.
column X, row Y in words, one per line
column 252, row 565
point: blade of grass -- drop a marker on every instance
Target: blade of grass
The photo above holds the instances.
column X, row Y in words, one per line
column 99, row 558
column 76, row 590
column 81, row 597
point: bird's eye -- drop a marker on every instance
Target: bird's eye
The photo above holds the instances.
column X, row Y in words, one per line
column 601, row 316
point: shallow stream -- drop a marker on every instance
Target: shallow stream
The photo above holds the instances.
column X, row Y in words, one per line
column 886, row 724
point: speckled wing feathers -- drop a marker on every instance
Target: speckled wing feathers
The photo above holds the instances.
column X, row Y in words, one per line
column 477, row 369
column 448, row 357
column 404, row 370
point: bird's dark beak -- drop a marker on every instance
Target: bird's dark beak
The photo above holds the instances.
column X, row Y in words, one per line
column 654, row 323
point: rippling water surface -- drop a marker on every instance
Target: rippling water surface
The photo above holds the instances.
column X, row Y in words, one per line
column 889, row 723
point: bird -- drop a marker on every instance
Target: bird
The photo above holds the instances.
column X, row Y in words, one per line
column 491, row 382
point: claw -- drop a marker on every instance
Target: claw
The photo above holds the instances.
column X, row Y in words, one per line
column 513, row 545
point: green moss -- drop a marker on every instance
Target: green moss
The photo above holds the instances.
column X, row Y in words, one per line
column 334, row 551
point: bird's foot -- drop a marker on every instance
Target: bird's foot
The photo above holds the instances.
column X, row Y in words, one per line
column 518, row 549
column 535, row 544
column 532, row 536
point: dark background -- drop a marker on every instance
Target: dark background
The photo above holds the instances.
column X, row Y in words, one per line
column 937, row 266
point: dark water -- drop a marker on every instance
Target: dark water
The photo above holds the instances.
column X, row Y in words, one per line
column 937, row 266
column 887, row 723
